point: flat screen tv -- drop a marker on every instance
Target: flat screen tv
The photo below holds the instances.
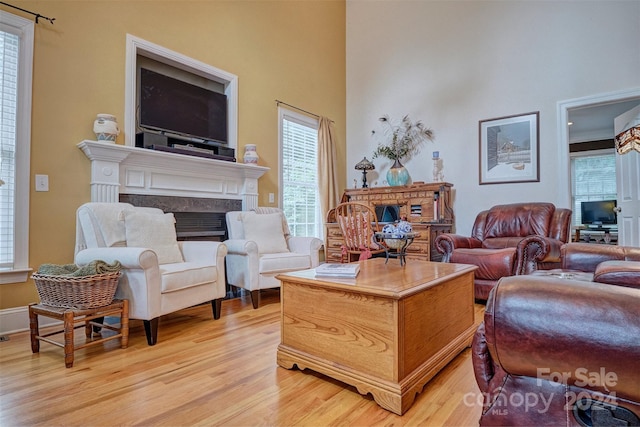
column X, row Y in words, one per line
column 175, row 106
column 599, row 213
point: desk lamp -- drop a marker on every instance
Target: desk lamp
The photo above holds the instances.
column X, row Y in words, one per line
column 364, row 165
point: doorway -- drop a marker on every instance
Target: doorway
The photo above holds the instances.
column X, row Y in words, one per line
column 595, row 115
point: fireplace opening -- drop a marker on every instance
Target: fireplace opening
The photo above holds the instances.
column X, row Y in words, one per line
column 201, row 226
column 196, row 218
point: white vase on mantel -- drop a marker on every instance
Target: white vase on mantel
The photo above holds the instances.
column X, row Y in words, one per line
column 105, row 126
column 250, row 154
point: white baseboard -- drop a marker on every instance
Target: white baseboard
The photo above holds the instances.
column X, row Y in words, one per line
column 16, row 319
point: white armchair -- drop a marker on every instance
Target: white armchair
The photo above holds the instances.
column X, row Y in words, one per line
column 260, row 247
column 160, row 274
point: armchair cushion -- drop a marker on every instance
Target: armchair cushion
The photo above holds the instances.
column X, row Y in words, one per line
column 183, row 275
column 270, row 263
column 492, row 263
column 154, row 231
column 266, row 230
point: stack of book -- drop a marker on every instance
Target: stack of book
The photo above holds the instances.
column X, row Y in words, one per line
column 349, row 271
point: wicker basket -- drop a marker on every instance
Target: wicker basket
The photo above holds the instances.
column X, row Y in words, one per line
column 77, row 292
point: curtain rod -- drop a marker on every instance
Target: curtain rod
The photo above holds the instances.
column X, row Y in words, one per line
column 299, row 109
column 37, row 15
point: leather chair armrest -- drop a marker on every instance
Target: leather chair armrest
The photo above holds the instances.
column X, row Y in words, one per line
column 622, row 273
column 530, row 251
column 446, row 243
column 489, row 375
column 587, row 257
column 482, row 362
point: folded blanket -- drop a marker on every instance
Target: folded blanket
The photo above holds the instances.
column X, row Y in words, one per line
column 72, row 270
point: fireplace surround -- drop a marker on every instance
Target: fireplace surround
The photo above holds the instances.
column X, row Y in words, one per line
column 198, row 190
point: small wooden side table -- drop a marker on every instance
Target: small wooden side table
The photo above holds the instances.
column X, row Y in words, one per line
column 92, row 319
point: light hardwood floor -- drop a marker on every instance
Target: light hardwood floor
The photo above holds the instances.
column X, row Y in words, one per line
column 206, row 372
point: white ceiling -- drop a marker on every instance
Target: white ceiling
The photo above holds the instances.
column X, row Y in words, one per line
column 596, row 122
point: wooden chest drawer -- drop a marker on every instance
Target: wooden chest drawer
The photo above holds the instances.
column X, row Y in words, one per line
column 333, row 245
column 418, row 247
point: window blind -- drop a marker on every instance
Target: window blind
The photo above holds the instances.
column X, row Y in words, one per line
column 9, row 50
column 300, row 196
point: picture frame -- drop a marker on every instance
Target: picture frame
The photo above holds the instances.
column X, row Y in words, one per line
column 509, row 149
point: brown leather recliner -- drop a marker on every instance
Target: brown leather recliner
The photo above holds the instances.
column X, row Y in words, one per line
column 509, row 240
column 553, row 351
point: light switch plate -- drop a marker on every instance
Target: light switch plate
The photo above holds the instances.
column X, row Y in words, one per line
column 42, row 182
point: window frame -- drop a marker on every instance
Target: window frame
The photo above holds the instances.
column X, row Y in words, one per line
column 312, row 123
column 572, row 156
column 24, row 28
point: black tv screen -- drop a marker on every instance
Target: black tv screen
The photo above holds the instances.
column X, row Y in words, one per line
column 599, row 213
column 168, row 104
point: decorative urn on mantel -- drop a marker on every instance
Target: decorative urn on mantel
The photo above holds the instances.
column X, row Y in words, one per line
column 105, row 126
column 250, row 154
column 400, row 141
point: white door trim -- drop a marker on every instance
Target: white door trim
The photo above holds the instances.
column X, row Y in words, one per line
column 564, row 180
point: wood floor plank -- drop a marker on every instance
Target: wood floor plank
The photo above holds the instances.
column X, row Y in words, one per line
column 205, row 372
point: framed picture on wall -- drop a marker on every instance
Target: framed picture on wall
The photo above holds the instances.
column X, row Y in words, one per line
column 509, row 149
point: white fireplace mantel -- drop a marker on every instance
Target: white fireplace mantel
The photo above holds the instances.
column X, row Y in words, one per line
column 117, row 169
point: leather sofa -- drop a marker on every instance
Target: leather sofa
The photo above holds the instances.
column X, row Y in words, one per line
column 508, row 240
column 619, row 265
column 561, row 347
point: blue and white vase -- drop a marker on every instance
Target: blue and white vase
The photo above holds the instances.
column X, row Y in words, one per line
column 397, row 175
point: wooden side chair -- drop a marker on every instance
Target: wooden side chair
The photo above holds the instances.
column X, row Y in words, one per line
column 358, row 223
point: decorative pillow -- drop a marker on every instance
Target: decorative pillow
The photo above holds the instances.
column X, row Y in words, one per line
column 266, row 230
column 153, row 231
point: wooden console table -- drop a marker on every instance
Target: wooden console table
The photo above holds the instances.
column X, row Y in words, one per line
column 427, row 206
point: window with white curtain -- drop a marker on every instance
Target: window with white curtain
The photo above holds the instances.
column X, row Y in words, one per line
column 16, row 59
column 298, row 135
column 593, row 178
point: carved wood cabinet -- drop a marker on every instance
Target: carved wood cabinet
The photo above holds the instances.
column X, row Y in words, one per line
column 428, row 207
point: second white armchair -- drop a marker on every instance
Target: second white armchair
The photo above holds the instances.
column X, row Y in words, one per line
column 260, row 247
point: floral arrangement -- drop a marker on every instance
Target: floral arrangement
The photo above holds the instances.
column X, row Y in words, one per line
column 402, row 140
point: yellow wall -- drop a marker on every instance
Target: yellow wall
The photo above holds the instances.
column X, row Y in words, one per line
column 293, row 51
